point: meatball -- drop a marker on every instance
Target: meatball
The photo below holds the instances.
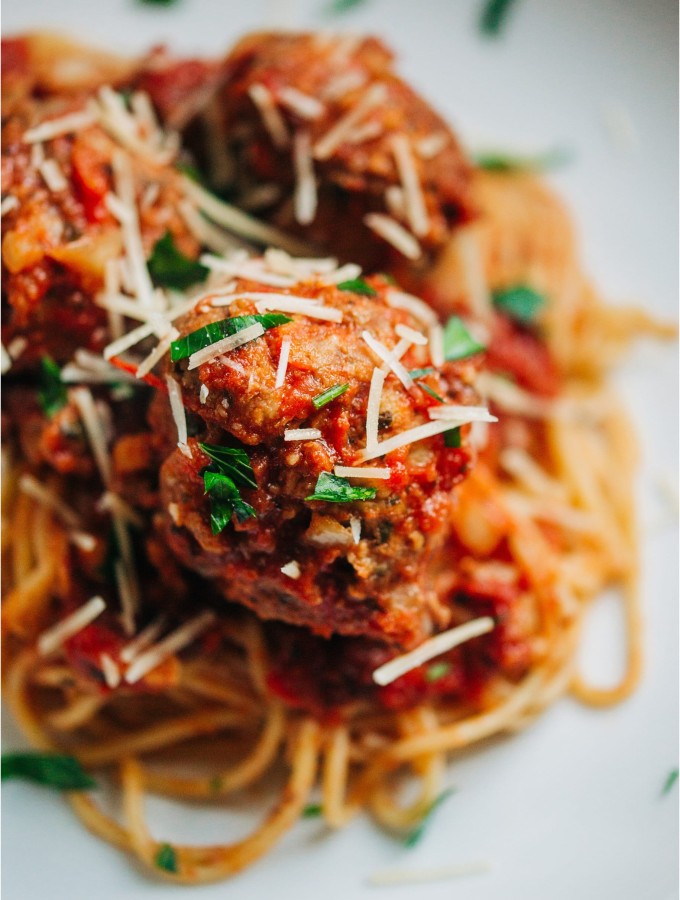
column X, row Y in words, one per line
column 58, row 235
column 300, row 108
column 312, row 546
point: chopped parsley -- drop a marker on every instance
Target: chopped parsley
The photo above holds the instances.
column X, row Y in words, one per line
column 420, row 373
column 166, row 859
column 328, row 395
column 51, row 392
column 414, row 837
column 215, row 331
column 231, row 461
column 358, row 286
column 670, row 781
column 335, row 7
column 520, row 303
column 428, row 390
column 54, row 770
column 452, row 438
column 312, row 811
column 458, row 342
column 436, row 671
column 170, row 268
column 229, row 471
column 509, row 162
column 494, row 16
column 334, row 489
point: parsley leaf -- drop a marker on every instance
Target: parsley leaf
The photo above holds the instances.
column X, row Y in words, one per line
column 436, row 671
column 334, row 489
column 508, row 162
column 51, row 393
column 458, row 342
column 336, row 7
column 452, row 438
column 225, row 500
column 414, row 836
column 166, row 858
column 669, row 782
column 494, row 16
column 328, row 395
column 312, row 811
column 428, row 390
column 171, row 268
column 210, row 334
column 520, row 303
column 420, row 373
column 233, row 462
column 358, row 286
column 52, row 769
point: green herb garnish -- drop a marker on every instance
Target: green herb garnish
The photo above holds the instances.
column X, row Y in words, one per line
column 509, row 162
column 520, row 303
column 428, row 390
column 414, row 836
column 210, row 334
column 171, row 268
column 225, row 500
column 335, row 7
column 230, row 470
column 51, row 769
column 192, row 172
column 669, row 782
column 334, row 489
column 51, row 393
column 328, row 395
column 494, row 16
column 420, row 373
column 458, row 342
column 312, row 811
column 452, row 438
column 233, row 462
column 436, row 671
column 166, row 859
column 158, row 2
column 358, row 286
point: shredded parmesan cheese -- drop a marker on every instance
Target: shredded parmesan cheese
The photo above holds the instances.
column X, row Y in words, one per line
column 114, row 503
column 355, row 528
column 94, row 428
column 388, row 877
column 431, row 145
column 461, row 413
column 411, row 335
column 391, row 231
column 145, row 637
column 177, row 407
column 51, row 639
column 328, row 144
column 373, row 408
column 231, row 342
column 302, row 434
column 56, row 127
column 203, row 394
column 47, row 497
column 110, row 671
column 292, row 569
column 379, row 472
column 159, row 351
column 341, row 85
column 414, row 202
column 302, row 305
column 436, row 338
column 9, row 203
column 173, row 643
column 17, row 346
column 271, row 117
column 419, row 433
column 305, row 201
column 417, row 307
column 469, row 254
column 283, row 363
column 435, row 646
column 301, row 104
column 52, row 175
column 388, row 358
column 5, row 360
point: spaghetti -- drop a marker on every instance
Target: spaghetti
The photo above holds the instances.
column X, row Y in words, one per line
column 545, row 519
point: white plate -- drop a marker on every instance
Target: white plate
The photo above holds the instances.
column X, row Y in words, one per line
column 571, row 808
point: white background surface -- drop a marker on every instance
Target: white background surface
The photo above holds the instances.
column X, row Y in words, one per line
column 572, row 807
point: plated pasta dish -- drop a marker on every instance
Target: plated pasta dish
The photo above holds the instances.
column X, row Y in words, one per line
column 311, row 466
